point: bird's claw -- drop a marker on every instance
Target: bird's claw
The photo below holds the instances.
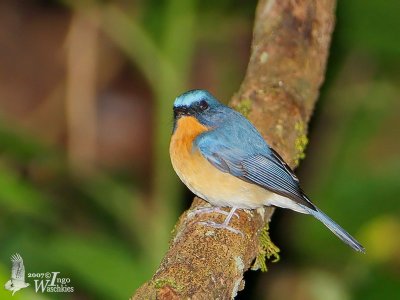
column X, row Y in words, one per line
column 221, row 226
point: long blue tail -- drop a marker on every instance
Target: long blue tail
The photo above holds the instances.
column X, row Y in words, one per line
column 336, row 229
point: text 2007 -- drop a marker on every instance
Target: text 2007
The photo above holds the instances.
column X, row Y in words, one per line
column 36, row 275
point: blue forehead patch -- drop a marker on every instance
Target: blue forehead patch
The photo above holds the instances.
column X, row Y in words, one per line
column 194, row 96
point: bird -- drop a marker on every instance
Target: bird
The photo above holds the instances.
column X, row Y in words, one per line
column 17, row 280
column 222, row 158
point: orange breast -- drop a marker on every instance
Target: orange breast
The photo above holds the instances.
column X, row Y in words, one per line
column 205, row 180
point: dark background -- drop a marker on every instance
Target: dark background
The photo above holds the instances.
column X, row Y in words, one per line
column 86, row 186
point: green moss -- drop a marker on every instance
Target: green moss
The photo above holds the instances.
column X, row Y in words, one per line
column 300, row 142
column 244, row 107
column 174, row 230
column 267, row 250
column 160, row 283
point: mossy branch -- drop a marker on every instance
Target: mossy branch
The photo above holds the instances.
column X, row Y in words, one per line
column 286, row 69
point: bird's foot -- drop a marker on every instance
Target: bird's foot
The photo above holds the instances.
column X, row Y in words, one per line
column 221, row 226
column 225, row 224
column 207, row 210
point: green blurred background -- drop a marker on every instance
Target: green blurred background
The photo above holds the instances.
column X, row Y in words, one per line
column 86, row 186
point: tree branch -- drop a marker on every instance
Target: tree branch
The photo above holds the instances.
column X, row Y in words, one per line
column 289, row 52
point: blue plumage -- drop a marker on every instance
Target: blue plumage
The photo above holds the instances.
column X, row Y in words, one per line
column 234, row 146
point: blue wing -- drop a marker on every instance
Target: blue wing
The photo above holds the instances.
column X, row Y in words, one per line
column 245, row 154
column 239, row 149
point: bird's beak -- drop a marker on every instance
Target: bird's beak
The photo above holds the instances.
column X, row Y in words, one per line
column 181, row 111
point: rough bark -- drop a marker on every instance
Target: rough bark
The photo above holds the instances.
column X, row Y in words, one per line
column 286, row 69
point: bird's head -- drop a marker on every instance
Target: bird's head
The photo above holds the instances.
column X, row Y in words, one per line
column 201, row 105
column 8, row 285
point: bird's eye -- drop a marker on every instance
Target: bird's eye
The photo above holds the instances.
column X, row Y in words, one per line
column 203, row 105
